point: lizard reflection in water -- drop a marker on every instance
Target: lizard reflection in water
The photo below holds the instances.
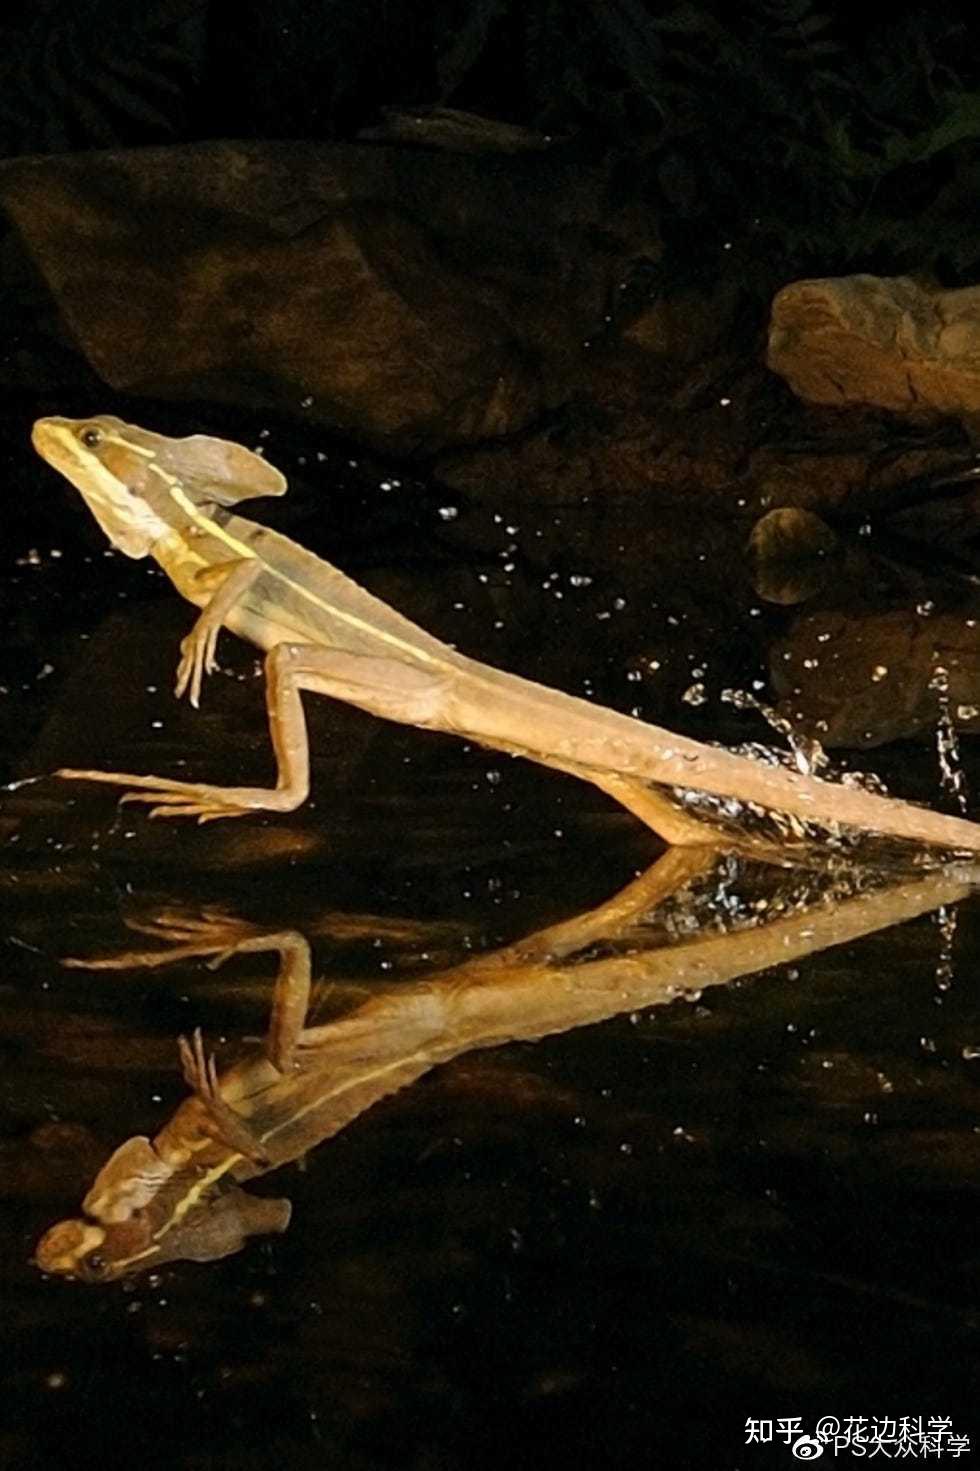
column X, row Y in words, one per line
column 180, row 1195
column 170, row 498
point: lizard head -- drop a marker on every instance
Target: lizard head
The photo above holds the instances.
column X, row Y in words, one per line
column 133, row 480
column 110, row 467
column 141, row 1212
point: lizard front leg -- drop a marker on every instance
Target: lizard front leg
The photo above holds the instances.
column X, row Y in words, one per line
column 231, row 580
column 197, row 650
column 220, row 1120
column 291, row 993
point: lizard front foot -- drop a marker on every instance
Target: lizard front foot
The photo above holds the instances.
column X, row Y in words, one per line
column 197, row 658
column 224, row 1124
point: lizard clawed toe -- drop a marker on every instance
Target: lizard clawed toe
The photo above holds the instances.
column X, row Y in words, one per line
column 198, row 658
column 192, row 802
column 199, row 811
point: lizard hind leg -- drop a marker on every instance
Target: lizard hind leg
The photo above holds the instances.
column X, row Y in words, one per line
column 168, row 797
column 667, row 819
column 383, row 686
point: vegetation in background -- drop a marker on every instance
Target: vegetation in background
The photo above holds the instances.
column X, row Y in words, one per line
column 831, row 142
column 774, row 137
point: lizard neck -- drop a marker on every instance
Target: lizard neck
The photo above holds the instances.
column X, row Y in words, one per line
column 182, row 556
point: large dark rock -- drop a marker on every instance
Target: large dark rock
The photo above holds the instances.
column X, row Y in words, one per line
column 493, row 311
column 412, row 298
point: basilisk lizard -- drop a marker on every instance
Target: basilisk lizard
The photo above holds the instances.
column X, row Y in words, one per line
column 170, row 499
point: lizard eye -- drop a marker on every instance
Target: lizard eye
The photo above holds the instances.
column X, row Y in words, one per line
column 91, row 438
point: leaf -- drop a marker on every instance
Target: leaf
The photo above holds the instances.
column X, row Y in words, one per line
column 961, row 123
column 632, row 38
column 457, row 60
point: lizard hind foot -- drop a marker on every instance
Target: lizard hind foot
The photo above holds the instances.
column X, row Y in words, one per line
column 181, row 804
column 168, row 797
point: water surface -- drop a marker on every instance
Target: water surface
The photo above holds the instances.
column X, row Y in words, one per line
column 613, row 1244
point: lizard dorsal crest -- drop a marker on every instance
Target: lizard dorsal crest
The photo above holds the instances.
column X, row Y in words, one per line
column 219, row 471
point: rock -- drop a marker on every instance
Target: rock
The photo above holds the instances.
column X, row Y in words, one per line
column 413, row 299
column 789, row 534
column 684, row 326
column 790, row 549
column 886, row 341
column 864, row 677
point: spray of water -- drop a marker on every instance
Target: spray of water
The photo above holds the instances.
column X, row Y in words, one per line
column 946, row 922
column 951, row 774
column 806, row 752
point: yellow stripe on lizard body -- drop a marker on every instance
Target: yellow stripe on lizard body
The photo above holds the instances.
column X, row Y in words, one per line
column 242, row 549
column 128, row 445
column 194, row 1194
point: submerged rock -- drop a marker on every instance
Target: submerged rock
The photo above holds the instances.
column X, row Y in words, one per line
column 864, row 677
column 790, row 548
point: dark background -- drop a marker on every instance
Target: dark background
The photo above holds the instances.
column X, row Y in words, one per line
column 822, row 136
column 450, row 1290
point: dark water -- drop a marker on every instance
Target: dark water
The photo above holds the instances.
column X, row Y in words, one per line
column 610, row 1246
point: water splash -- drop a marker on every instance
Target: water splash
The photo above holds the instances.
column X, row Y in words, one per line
column 806, row 753
column 952, row 777
column 945, row 920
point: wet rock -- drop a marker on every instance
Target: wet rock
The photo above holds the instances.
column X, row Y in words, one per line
column 893, row 342
column 791, row 534
column 790, row 550
column 683, row 326
column 850, row 461
column 57, row 1137
column 609, row 448
column 863, row 678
